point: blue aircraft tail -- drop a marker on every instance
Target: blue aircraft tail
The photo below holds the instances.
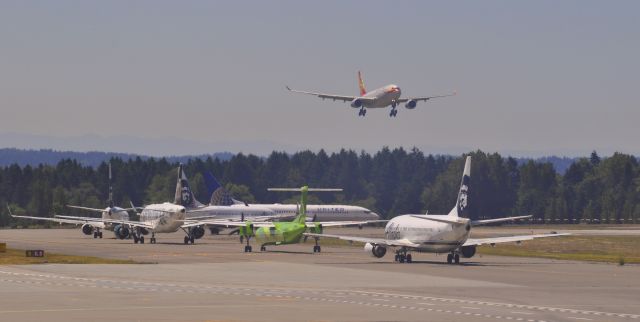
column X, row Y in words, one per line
column 219, row 195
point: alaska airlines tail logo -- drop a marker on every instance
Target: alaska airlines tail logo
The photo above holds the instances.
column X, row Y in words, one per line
column 186, row 198
column 363, row 90
column 463, row 196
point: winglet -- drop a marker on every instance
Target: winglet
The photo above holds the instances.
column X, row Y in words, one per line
column 9, row 208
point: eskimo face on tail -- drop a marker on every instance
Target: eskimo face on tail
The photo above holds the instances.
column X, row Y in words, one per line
column 186, row 198
column 460, row 210
column 463, row 194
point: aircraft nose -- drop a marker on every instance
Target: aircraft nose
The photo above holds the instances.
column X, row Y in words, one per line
column 375, row 216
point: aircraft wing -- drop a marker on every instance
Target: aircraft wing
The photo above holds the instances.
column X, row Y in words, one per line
column 497, row 220
column 86, row 208
column 85, row 219
column 343, row 223
column 228, row 224
column 425, row 98
column 509, row 239
column 330, row 96
column 375, row 241
column 126, row 222
column 58, row 220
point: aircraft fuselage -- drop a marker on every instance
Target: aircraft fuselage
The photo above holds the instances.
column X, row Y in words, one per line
column 433, row 237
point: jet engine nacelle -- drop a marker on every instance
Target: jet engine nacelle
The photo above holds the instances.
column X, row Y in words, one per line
column 197, row 232
column 411, row 104
column 375, row 250
column 356, row 103
column 87, row 229
column 121, row 232
column 468, row 251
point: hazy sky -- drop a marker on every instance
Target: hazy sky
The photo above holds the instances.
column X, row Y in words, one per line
column 534, row 78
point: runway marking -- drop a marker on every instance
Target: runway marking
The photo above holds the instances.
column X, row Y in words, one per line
column 519, row 312
column 575, row 318
column 470, row 308
column 264, row 292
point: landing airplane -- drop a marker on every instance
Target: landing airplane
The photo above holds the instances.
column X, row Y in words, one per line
column 436, row 233
column 378, row 98
column 91, row 225
column 283, row 233
column 220, row 196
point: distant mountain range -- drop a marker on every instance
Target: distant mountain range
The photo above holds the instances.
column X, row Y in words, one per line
column 51, row 157
column 22, row 157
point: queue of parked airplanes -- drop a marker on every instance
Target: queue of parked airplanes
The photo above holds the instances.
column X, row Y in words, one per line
column 277, row 224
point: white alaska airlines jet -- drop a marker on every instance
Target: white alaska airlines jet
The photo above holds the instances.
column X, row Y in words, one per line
column 378, row 98
column 90, row 225
column 436, row 233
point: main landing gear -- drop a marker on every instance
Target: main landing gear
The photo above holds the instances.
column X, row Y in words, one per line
column 403, row 257
column 362, row 112
column 153, row 238
column 97, row 233
column 316, row 248
column 138, row 238
column 248, row 248
column 453, row 257
column 393, row 112
column 189, row 238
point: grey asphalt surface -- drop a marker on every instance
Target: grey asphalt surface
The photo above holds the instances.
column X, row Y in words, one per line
column 215, row 280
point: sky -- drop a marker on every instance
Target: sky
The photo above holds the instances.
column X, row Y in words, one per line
column 534, row 78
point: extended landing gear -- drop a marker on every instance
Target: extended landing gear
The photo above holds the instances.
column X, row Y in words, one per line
column 362, row 112
column 138, row 239
column 403, row 257
column 153, row 238
column 189, row 238
column 97, row 234
column 393, row 112
column 316, row 248
column 247, row 247
column 263, row 248
column 453, row 258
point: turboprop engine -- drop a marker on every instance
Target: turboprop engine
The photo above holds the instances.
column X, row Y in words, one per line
column 356, row 103
column 87, row 229
column 121, row 232
column 375, row 250
column 411, row 104
column 468, row 251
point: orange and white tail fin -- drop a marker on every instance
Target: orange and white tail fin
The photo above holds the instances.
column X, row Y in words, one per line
column 361, row 85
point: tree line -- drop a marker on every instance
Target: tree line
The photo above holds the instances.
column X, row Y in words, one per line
column 390, row 182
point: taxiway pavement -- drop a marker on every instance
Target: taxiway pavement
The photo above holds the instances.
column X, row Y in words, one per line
column 215, row 280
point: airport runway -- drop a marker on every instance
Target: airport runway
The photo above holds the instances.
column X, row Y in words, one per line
column 215, row 280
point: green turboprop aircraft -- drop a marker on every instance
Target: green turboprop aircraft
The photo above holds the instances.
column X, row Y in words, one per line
column 285, row 232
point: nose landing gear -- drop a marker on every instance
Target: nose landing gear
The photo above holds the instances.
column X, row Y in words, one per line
column 362, row 112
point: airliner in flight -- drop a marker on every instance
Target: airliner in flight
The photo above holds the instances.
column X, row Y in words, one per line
column 436, row 233
column 378, row 98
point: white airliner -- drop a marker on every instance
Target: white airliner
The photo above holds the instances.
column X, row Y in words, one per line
column 90, row 225
column 378, row 98
column 436, row 233
column 220, row 196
